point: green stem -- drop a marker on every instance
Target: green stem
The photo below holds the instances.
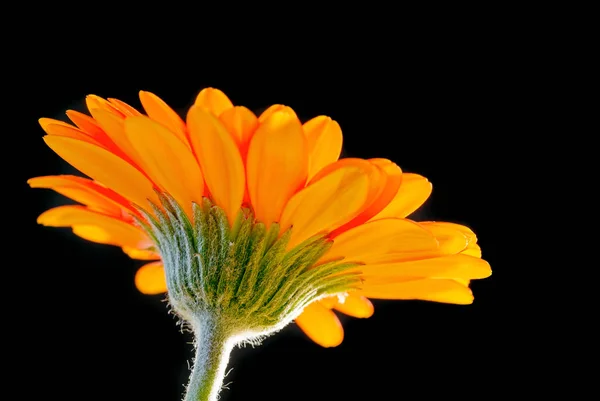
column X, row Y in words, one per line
column 213, row 347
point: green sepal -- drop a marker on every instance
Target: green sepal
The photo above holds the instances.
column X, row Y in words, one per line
column 242, row 274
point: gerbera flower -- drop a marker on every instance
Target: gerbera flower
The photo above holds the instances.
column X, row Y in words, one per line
column 250, row 221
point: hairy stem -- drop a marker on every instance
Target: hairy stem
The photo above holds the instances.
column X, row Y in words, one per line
column 213, row 347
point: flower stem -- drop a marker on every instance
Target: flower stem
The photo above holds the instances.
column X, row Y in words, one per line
column 213, row 347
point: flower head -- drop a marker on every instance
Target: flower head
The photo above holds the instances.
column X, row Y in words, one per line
column 205, row 191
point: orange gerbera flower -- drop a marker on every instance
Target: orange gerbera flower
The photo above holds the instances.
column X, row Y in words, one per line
column 272, row 169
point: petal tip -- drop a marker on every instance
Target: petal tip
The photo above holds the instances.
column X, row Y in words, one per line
column 34, row 182
column 368, row 313
column 333, row 342
column 43, row 219
column 149, row 279
column 144, row 95
column 487, row 273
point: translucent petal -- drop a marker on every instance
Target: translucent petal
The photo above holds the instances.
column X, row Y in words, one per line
column 276, row 166
column 321, row 325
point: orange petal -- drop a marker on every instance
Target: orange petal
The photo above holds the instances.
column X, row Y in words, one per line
column 276, row 108
column 85, row 123
column 413, row 192
column 219, row 159
column 45, row 122
column 447, row 291
column 114, row 127
column 384, row 184
column 241, row 123
column 166, row 160
column 387, row 236
column 92, row 128
column 450, row 267
column 124, row 108
column 327, row 203
column 355, row 306
column 140, row 254
column 321, row 325
column 96, row 227
column 324, row 137
column 59, row 128
column 150, row 279
column 105, row 167
column 98, row 103
column 276, row 166
column 329, row 302
column 159, row 111
column 376, row 178
column 451, row 240
column 85, row 191
column 393, row 180
column 213, row 100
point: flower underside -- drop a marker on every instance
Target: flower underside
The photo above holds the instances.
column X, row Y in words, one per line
column 243, row 275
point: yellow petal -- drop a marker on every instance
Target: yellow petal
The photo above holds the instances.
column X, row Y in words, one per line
column 276, row 166
column 219, row 159
column 472, row 238
column 397, row 257
column 166, row 160
column 321, row 325
column 324, row 137
column 276, row 108
column 150, row 279
column 450, row 267
column 472, row 250
column 327, row 203
column 355, row 306
column 463, row 281
column 213, row 100
column 84, row 191
column 413, row 192
column 447, row 291
column 159, row 111
column 140, row 254
column 241, row 123
column 96, row 227
column 105, row 167
column 451, row 240
column 382, row 237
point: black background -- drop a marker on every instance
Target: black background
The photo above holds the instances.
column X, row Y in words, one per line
column 438, row 108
